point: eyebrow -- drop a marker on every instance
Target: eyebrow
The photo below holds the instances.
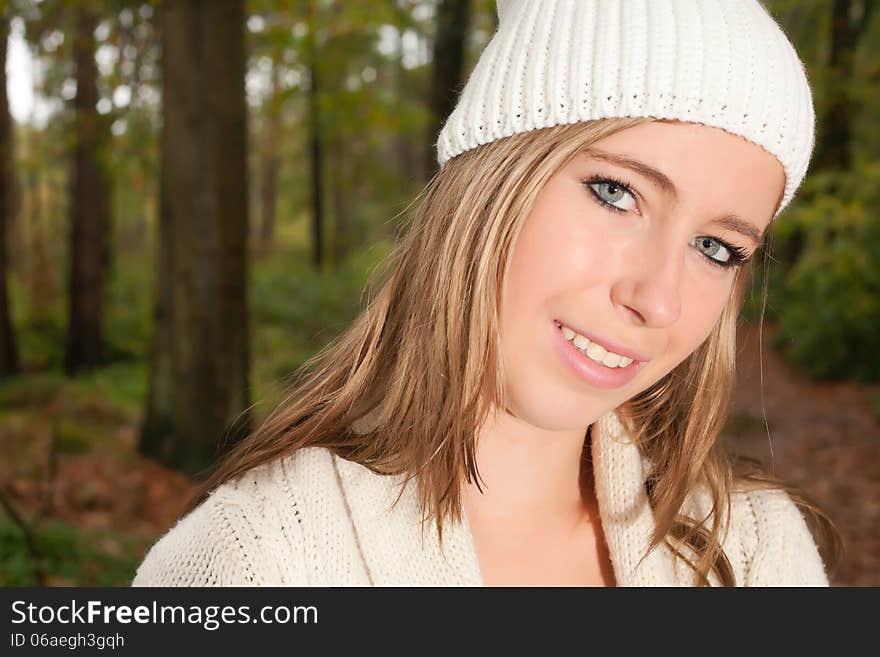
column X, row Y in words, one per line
column 661, row 180
column 745, row 228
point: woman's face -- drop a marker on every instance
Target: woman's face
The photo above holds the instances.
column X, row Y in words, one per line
column 629, row 246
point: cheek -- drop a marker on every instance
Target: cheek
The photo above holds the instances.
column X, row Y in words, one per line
column 558, row 254
column 702, row 305
column 558, row 266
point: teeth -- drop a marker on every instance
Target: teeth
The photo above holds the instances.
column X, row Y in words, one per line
column 611, row 360
column 595, row 352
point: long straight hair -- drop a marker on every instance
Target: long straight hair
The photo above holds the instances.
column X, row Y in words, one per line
column 406, row 387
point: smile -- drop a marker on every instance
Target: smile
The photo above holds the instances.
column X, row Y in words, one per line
column 588, row 362
column 593, row 350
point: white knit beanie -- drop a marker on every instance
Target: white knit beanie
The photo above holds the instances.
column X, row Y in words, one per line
column 722, row 63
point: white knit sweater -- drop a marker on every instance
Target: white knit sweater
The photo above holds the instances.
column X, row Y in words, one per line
column 313, row 518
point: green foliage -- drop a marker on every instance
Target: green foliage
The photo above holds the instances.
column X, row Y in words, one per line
column 108, row 395
column 121, row 386
column 34, row 390
column 296, row 310
column 71, row 437
column 70, row 555
column 808, row 23
column 41, row 343
column 129, row 297
column 825, row 280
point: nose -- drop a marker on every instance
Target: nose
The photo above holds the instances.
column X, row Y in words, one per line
column 649, row 289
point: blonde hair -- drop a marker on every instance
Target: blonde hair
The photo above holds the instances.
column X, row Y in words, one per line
column 405, row 388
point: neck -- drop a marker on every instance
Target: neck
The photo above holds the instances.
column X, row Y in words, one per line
column 528, row 474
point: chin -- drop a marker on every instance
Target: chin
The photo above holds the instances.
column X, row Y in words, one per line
column 553, row 409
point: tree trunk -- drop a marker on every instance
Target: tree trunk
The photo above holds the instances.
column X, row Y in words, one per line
column 271, row 162
column 453, row 17
column 43, row 285
column 835, row 140
column 8, row 353
column 89, row 223
column 341, row 189
column 199, row 362
column 316, row 150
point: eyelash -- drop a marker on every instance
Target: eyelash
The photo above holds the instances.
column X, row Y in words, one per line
column 738, row 256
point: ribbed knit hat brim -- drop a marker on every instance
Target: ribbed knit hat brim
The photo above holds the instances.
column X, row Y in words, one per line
column 722, row 63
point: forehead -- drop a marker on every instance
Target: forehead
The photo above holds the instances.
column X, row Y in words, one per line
column 711, row 171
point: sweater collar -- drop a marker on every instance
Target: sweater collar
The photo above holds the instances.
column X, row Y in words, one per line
column 620, row 472
column 397, row 552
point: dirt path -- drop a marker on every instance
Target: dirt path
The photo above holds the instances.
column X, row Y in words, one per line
column 825, row 438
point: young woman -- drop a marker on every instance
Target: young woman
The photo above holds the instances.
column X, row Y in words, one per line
column 544, row 371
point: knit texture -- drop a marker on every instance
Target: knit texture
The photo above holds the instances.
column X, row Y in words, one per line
column 313, row 519
column 722, row 63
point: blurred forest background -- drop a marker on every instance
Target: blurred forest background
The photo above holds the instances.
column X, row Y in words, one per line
column 193, row 195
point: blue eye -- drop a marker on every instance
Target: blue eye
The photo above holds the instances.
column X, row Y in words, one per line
column 735, row 255
column 713, row 246
column 611, row 192
column 618, row 196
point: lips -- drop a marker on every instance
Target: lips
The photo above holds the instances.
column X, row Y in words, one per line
column 613, row 347
column 588, row 371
